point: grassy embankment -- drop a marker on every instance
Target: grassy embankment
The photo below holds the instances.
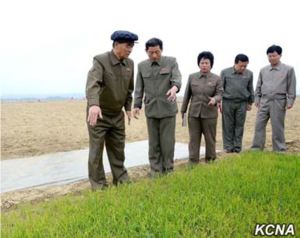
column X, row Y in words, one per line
column 223, row 199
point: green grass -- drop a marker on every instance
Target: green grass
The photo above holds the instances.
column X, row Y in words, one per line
column 223, row 199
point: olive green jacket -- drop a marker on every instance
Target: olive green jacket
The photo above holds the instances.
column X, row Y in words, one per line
column 237, row 86
column 200, row 87
column 153, row 82
column 110, row 83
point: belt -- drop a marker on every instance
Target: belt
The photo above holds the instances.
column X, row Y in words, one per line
column 279, row 96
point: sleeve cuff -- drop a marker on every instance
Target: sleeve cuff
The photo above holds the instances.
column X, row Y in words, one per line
column 177, row 85
column 257, row 100
column 137, row 106
column 290, row 102
column 93, row 101
column 127, row 107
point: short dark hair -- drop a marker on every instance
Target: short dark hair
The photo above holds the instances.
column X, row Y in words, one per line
column 206, row 55
column 241, row 57
column 154, row 42
column 274, row 48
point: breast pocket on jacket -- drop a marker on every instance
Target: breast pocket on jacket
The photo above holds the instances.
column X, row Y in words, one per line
column 165, row 71
column 109, row 79
column 211, row 88
column 196, row 89
column 148, row 82
column 127, row 73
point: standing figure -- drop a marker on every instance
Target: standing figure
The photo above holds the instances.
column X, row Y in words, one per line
column 109, row 89
column 204, row 90
column 237, row 99
column 158, row 80
column 275, row 92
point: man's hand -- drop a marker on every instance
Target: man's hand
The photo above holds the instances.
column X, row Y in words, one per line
column 249, row 107
column 257, row 104
column 289, row 106
column 94, row 113
column 183, row 115
column 220, row 107
column 212, row 101
column 172, row 94
column 136, row 113
column 129, row 116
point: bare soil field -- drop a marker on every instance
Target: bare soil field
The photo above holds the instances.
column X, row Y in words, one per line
column 35, row 128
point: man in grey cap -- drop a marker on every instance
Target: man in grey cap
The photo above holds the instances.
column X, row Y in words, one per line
column 275, row 92
column 159, row 79
column 109, row 88
column 237, row 99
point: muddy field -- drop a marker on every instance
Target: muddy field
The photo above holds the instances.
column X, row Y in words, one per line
column 35, row 128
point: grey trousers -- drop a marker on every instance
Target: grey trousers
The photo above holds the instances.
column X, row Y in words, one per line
column 197, row 127
column 111, row 130
column 233, row 120
column 273, row 109
column 161, row 134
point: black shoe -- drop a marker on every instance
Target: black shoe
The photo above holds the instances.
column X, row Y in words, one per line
column 154, row 174
column 99, row 187
column 210, row 160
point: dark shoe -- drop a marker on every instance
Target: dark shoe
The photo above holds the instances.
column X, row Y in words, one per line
column 209, row 161
column 167, row 171
column 99, row 187
column 280, row 151
column 122, row 182
column 194, row 161
column 122, row 179
column 154, row 174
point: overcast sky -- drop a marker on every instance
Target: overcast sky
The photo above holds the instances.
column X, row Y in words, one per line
column 47, row 46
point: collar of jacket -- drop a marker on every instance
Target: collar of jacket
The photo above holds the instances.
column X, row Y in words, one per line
column 114, row 60
column 202, row 75
column 159, row 62
column 277, row 67
column 235, row 72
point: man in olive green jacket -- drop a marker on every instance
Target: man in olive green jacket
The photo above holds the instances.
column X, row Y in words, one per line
column 237, row 99
column 109, row 88
column 158, row 81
